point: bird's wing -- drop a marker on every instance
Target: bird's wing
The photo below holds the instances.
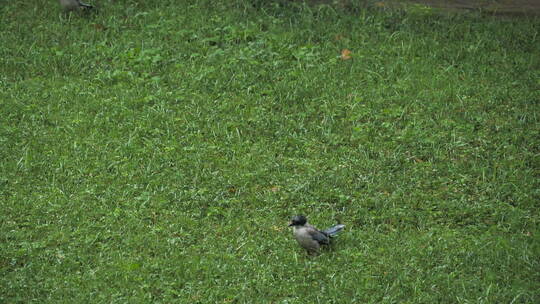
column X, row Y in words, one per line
column 317, row 235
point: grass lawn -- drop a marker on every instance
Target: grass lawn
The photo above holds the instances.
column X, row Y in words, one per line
column 154, row 153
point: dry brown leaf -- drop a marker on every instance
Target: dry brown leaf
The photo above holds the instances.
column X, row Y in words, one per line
column 274, row 189
column 346, row 54
column 99, row 27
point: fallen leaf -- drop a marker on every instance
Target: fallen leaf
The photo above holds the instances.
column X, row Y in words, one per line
column 346, row 54
column 99, row 27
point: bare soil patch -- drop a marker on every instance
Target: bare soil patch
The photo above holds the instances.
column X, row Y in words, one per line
column 505, row 7
column 497, row 7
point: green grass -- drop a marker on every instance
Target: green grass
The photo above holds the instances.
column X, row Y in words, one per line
column 154, row 152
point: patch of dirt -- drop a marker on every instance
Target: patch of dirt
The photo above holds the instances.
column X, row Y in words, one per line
column 504, row 7
column 497, row 7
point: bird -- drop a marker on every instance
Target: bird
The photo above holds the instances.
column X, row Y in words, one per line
column 309, row 237
column 74, row 5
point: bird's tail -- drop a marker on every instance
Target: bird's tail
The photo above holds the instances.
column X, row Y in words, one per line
column 332, row 231
column 85, row 5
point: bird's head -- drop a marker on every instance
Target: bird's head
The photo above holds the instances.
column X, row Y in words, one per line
column 298, row 220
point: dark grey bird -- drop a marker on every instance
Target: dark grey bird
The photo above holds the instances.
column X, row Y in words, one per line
column 74, row 5
column 309, row 237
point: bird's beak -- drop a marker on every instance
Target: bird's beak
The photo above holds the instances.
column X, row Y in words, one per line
column 291, row 224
